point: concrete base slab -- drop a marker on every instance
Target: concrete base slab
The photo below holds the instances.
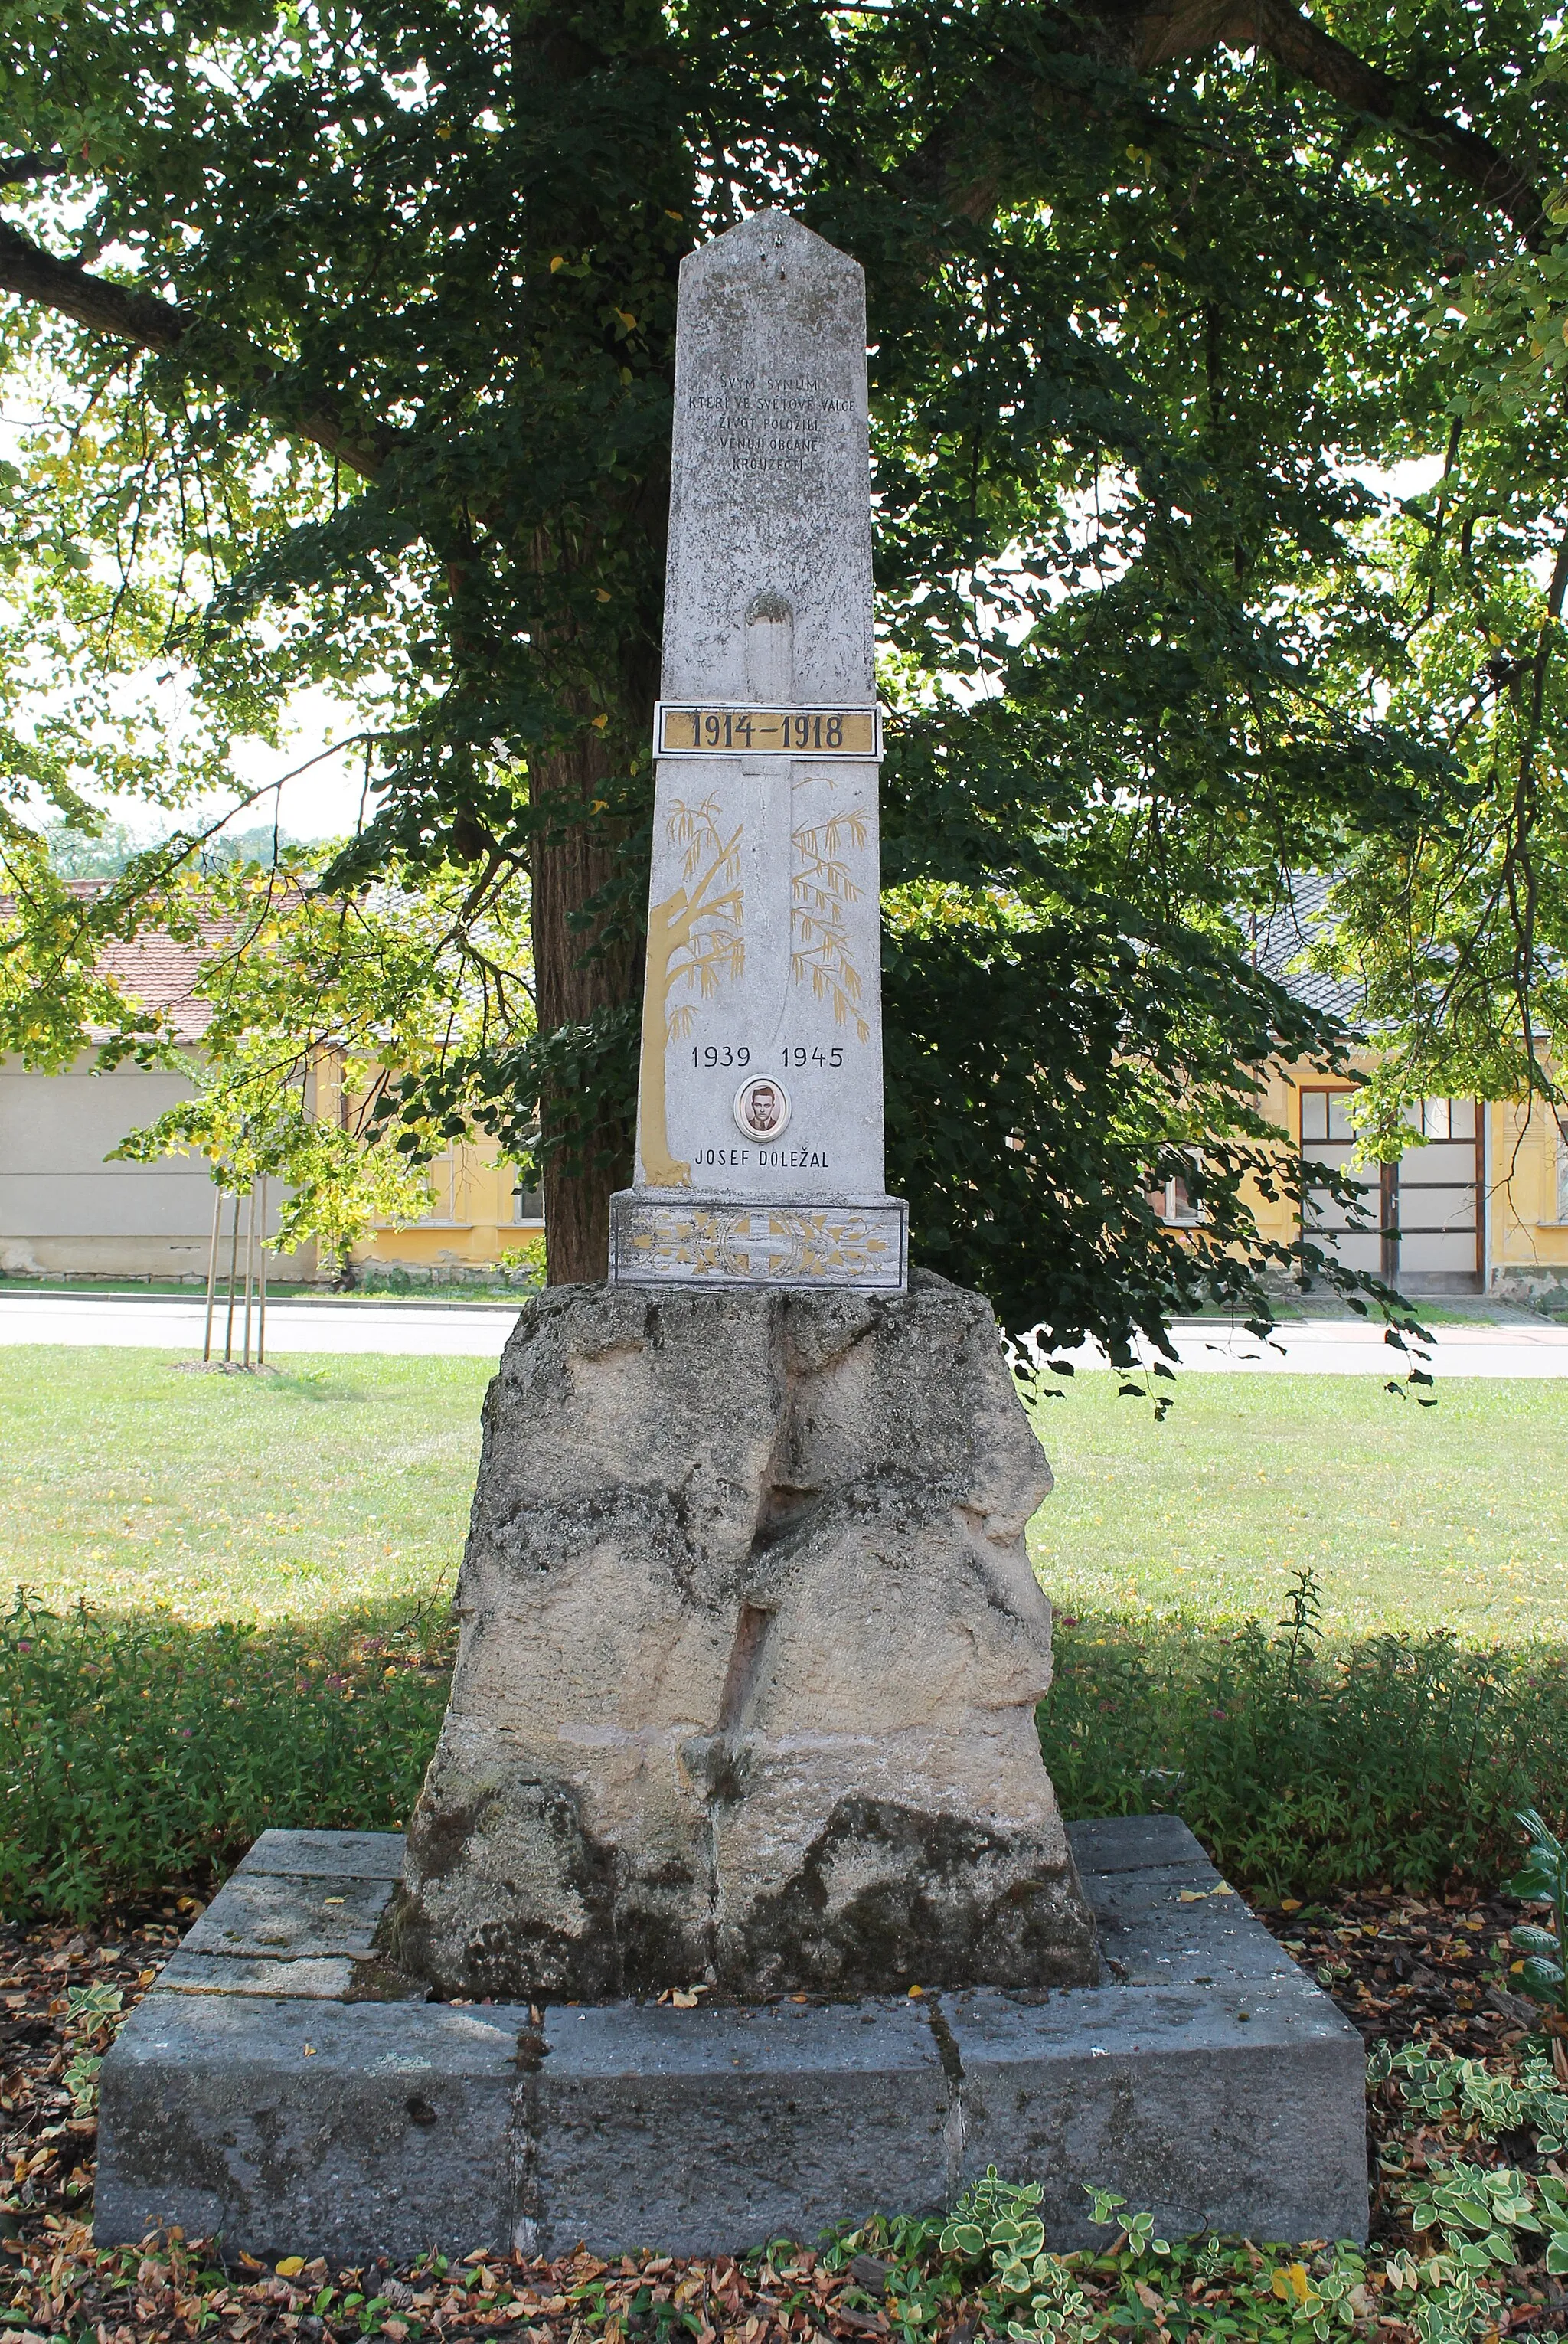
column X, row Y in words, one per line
column 273, row 2090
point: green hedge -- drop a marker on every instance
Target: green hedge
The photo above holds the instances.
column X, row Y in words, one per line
column 139, row 1753
column 1303, row 1769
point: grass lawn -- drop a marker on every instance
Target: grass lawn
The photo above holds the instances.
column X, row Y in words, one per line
column 346, row 1481
column 277, row 1541
column 336, row 1483
column 1454, row 1516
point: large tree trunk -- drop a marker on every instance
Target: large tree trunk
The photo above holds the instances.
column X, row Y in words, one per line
column 578, row 856
column 575, row 976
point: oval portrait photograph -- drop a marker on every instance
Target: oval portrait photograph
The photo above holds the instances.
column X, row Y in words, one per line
column 762, row 1107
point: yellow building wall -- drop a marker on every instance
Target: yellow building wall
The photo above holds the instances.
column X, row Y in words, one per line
column 1527, row 1242
column 1277, row 1219
column 477, row 1216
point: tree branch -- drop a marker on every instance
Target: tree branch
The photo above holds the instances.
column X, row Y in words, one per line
column 30, row 166
column 1310, row 54
column 1136, row 37
column 141, row 317
column 131, row 315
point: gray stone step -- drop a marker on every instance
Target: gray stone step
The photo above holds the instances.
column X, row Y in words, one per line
column 252, row 2095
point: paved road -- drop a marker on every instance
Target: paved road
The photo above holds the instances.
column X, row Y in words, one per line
column 471, row 1330
column 1334, row 1347
column 478, row 1330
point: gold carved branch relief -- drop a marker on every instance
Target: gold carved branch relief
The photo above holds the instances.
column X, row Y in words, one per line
column 694, row 937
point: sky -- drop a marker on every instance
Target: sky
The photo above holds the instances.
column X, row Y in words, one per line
column 321, row 802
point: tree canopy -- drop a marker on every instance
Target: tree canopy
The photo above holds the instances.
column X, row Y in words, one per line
column 346, row 339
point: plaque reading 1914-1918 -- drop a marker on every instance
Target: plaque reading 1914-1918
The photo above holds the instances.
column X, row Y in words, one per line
column 759, row 1156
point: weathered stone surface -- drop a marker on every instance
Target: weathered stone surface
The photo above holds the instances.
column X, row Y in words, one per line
column 770, row 2122
column 326, row 1855
column 1223, row 2090
column 1118, row 1844
column 277, row 1917
column 323, row 1977
column 1215, row 1940
column 352, row 2130
column 1239, row 2110
column 751, row 1653
column 1212, row 2082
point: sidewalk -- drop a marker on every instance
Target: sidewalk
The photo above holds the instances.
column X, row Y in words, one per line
column 1349, row 1347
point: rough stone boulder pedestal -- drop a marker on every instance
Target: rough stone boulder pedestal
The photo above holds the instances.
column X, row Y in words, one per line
column 749, row 1656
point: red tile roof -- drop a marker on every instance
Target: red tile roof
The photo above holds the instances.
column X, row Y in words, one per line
column 154, row 971
column 161, row 975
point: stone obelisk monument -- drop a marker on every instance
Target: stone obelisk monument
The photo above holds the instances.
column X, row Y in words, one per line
column 750, row 1650
column 759, row 1116
column 750, row 1644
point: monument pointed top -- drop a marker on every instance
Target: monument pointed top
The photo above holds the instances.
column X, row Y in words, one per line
column 771, row 230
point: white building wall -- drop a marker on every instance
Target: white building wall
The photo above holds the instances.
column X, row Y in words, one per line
column 64, row 1208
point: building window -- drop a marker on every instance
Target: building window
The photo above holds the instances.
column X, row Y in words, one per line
column 1443, row 1118
column 1326, row 1114
column 1175, row 1206
column 528, row 1203
column 445, row 1174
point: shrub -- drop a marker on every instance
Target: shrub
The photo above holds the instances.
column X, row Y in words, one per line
column 138, row 1751
column 1304, row 1770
